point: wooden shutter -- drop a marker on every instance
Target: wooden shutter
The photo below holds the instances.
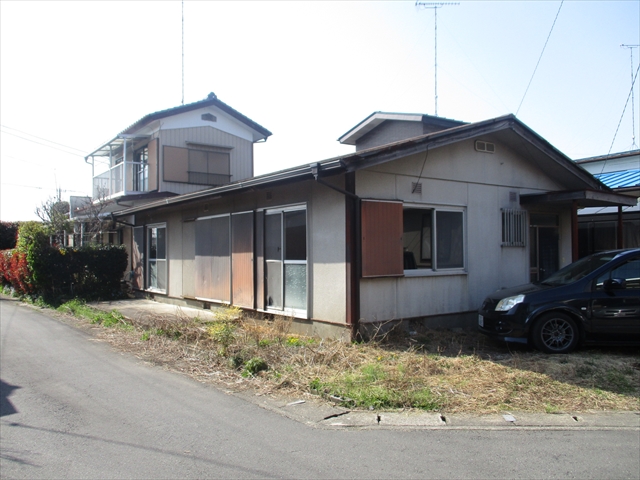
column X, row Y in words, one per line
column 175, row 164
column 381, row 239
column 152, row 149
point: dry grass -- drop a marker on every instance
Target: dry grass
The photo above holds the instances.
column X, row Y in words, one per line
column 433, row 370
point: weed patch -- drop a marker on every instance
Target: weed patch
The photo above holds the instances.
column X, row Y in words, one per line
column 434, row 370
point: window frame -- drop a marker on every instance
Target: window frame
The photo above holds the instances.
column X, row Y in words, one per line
column 435, row 270
column 148, row 260
column 282, row 211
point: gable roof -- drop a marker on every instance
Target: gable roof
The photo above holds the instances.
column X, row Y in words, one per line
column 211, row 100
column 377, row 118
column 506, row 129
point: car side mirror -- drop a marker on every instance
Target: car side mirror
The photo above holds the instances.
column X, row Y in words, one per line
column 615, row 284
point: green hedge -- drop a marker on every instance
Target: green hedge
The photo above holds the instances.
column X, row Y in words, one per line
column 88, row 272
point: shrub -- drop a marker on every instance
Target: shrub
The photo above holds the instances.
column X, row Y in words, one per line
column 8, row 235
column 88, row 272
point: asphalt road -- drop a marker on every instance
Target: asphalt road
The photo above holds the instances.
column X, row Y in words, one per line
column 72, row 407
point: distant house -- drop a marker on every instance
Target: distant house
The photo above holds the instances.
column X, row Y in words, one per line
column 607, row 227
column 420, row 223
column 171, row 152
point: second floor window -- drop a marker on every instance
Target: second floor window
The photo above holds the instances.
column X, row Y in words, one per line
column 141, row 170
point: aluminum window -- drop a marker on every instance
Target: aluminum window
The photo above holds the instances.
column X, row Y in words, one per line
column 433, row 238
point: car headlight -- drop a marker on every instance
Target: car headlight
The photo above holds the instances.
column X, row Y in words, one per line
column 508, row 303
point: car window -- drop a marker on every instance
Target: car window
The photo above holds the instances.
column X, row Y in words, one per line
column 629, row 272
column 579, row 269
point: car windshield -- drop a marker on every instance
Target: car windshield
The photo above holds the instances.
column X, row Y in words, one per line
column 579, row 269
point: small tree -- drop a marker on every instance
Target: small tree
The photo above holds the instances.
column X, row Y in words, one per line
column 54, row 214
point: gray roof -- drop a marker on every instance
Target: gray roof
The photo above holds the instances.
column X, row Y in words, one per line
column 507, row 129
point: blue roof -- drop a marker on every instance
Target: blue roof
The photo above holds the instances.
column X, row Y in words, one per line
column 623, row 179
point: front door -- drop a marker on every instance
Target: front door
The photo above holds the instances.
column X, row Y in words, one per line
column 544, row 246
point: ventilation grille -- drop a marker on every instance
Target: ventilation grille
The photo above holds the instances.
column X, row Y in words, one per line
column 209, row 117
column 485, row 147
column 416, row 187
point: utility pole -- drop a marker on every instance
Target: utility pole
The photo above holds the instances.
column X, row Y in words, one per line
column 435, row 6
column 633, row 104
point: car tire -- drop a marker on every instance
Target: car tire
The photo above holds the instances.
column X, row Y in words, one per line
column 555, row 332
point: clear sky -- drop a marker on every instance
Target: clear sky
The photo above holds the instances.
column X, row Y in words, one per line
column 78, row 73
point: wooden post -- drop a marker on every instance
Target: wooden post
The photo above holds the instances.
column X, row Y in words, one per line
column 620, row 229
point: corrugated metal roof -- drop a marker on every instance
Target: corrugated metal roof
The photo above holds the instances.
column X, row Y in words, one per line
column 623, row 179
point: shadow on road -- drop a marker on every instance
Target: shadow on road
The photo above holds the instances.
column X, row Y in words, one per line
column 6, row 407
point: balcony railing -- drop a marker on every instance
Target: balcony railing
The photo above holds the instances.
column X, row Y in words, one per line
column 111, row 183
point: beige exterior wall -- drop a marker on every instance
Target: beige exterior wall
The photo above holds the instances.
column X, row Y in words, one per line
column 241, row 163
column 480, row 183
column 326, row 274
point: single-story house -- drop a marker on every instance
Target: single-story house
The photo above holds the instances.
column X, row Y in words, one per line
column 420, row 223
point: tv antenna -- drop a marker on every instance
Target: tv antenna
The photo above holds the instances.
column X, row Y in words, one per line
column 435, row 6
column 633, row 106
column 183, row 53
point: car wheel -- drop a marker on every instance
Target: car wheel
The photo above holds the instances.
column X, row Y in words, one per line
column 555, row 333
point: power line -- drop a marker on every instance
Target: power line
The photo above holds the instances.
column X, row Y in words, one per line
column 40, row 138
column 41, row 188
column 541, row 53
column 44, row 144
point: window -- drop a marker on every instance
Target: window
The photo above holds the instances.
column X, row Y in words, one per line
column 157, row 257
column 141, row 170
column 286, row 259
column 433, row 239
column 628, row 272
column 514, row 228
column 209, row 168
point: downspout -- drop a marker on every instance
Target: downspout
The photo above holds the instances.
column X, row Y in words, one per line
column 353, row 251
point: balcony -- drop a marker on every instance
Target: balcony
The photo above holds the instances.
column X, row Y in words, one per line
column 132, row 160
column 112, row 184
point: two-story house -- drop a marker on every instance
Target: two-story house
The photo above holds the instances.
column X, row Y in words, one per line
column 171, row 152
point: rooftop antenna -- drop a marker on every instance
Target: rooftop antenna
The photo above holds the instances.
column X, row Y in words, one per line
column 633, row 107
column 183, row 53
column 435, row 6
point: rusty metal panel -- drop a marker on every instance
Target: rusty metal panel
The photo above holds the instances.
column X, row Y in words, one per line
column 137, row 258
column 189, row 259
column 221, row 278
column 213, row 269
column 259, row 264
column 204, row 259
column 381, row 239
column 152, row 149
column 242, row 259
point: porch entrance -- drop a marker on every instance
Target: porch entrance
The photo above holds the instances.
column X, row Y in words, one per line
column 544, row 247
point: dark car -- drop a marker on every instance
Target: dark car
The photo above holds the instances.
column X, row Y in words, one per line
column 594, row 300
